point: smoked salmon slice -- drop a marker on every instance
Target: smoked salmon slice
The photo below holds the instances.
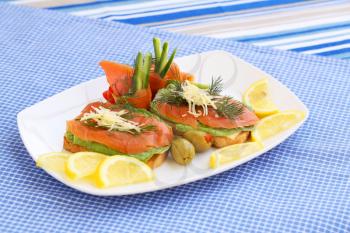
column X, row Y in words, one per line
column 213, row 120
column 123, row 142
column 128, row 84
column 119, row 77
column 178, row 114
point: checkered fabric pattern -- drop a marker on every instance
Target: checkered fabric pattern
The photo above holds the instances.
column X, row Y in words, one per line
column 300, row 186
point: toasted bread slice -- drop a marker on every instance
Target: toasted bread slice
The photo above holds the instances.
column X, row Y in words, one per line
column 223, row 141
column 154, row 162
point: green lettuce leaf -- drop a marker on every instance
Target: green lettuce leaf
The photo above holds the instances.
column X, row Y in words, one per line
column 100, row 148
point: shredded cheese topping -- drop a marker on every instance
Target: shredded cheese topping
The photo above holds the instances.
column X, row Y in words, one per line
column 197, row 97
column 113, row 120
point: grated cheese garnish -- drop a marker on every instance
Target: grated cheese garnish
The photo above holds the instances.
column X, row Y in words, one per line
column 113, row 120
column 197, row 97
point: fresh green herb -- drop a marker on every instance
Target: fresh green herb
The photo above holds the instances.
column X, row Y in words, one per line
column 148, row 128
column 163, row 57
column 216, row 86
column 168, row 64
column 174, row 85
column 228, row 107
column 157, row 53
column 225, row 105
column 142, row 67
column 147, row 66
column 171, row 94
column 161, row 62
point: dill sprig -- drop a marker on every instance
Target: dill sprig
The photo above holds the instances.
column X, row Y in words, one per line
column 171, row 94
column 228, row 107
column 216, row 86
column 225, row 106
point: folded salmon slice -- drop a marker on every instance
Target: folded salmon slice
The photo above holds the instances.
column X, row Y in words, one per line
column 180, row 115
column 122, row 141
column 246, row 118
column 119, row 77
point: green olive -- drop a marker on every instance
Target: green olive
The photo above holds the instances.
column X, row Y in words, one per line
column 182, row 151
column 200, row 140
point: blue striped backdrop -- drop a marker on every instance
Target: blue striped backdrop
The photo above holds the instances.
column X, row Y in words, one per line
column 314, row 27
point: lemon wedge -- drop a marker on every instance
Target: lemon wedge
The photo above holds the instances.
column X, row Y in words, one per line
column 83, row 164
column 274, row 124
column 55, row 161
column 258, row 98
column 122, row 170
column 233, row 153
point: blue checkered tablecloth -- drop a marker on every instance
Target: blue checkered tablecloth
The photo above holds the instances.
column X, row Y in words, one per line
column 300, row 186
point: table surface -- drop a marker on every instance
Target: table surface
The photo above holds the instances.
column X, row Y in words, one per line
column 301, row 185
column 313, row 27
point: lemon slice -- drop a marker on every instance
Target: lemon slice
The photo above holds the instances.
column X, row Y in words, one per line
column 233, row 153
column 83, row 164
column 258, row 98
column 55, row 161
column 122, row 170
column 274, row 124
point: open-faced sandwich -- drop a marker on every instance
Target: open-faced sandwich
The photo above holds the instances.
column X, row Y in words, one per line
column 119, row 130
column 200, row 114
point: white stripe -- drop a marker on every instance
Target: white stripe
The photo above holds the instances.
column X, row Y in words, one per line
column 277, row 19
column 280, row 28
column 136, row 7
column 25, row 1
column 327, row 49
column 303, row 38
column 138, row 10
column 313, row 42
column 242, row 15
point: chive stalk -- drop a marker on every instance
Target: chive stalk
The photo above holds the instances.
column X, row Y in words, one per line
column 142, row 66
column 161, row 62
column 137, row 78
column 168, row 64
column 157, row 53
column 146, row 69
column 164, row 56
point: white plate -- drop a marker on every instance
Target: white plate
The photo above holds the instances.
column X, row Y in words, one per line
column 42, row 125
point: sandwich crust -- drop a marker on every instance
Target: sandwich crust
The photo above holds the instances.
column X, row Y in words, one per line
column 226, row 141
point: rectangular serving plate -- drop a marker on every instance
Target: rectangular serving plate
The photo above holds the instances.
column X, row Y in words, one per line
column 43, row 125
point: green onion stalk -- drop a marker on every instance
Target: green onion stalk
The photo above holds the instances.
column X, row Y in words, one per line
column 161, row 62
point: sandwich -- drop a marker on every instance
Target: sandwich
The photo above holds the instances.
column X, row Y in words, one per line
column 119, row 130
column 188, row 106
